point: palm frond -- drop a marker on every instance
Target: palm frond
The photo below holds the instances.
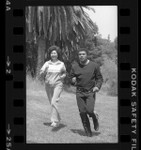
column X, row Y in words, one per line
column 45, row 22
column 89, row 8
column 65, row 25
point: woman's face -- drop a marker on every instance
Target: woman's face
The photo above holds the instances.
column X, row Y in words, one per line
column 54, row 55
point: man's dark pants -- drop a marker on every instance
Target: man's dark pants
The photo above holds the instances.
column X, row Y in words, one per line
column 86, row 103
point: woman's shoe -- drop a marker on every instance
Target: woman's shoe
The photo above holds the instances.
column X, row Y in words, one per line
column 54, row 124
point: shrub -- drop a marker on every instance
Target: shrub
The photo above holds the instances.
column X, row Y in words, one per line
column 109, row 72
column 112, row 90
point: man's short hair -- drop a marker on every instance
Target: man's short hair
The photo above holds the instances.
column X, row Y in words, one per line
column 83, row 49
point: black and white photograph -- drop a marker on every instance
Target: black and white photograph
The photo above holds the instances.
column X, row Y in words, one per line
column 71, row 74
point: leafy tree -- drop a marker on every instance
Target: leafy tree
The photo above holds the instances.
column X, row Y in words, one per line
column 107, row 48
column 95, row 53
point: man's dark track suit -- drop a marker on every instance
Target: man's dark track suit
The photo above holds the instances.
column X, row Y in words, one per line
column 87, row 77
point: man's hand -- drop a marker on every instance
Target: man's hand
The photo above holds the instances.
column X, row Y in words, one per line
column 95, row 89
column 74, row 80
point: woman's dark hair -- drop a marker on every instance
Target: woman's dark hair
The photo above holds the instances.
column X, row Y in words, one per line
column 54, row 48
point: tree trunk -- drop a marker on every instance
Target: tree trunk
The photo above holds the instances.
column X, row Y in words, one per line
column 41, row 55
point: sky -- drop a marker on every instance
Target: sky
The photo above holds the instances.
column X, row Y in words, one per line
column 106, row 19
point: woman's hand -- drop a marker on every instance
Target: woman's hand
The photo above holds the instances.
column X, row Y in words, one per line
column 41, row 74
column 43, row 71
column 95, row 89
column 62, row 76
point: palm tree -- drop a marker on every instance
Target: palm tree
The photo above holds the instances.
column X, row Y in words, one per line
column 65, row 26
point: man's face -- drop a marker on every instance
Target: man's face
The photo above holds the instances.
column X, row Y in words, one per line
column 82, row 56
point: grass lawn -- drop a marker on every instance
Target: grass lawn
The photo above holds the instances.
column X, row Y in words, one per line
column 38, row 128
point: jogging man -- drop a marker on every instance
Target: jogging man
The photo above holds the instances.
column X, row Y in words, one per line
column 87, row 77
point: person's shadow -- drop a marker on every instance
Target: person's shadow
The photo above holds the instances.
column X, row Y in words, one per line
column 55, row 128
column 82, row 132
column 47, row 123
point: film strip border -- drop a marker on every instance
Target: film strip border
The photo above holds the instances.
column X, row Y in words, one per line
column 128, row 78
column 15, row 74
column 15, row 77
